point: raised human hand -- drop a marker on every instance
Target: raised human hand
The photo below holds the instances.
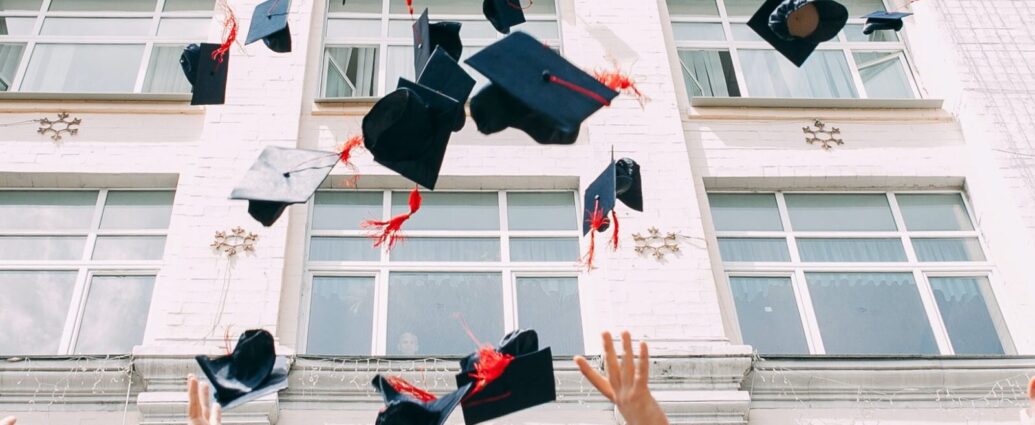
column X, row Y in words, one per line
column 200, row 410
column 626, row 385
column 8, row 420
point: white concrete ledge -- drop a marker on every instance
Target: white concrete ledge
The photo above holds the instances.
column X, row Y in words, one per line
column 119, row 97
column 768, row 102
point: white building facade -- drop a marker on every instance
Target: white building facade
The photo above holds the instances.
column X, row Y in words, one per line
column 880, row 280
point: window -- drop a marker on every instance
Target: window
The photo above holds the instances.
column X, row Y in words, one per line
column 721, row 56
column 368, row 44
column 858, row 273
column 98, row 46
column 77, row 268
column 495, row 261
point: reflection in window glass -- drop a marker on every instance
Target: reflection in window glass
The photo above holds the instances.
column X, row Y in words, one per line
column 33, row 308
column 351, row 71
column 12, row 25
column 8, row 5
column 541, row 211
column 870, row 313
column 115, row 27
column 851, row 250
column 824, row 75
column 425, row 312
column 855, row 33
column 41, row 248
column 115, row 315
column 754, row 249
column 163, row 72
column 447, row 249
column 744, row 212
column 399, row 65
column 934, row 212
column 346, row 210
column 191, row 5
column 47, row 210
column 341, row 316
column 884, row 75
column 342, row 249
column 355, row 6
column 83, row 68
column 186, row 27
column 550, row 305
column 129, row 248
column 708, row 73
column 692, row 8
column 948, row 249
column 102, row 5
column 137, row 210
column 10, row 57
column 964, row 303
column 840, row 212
column 768, row 315
column 451, row 211
column 698, row 31
column 544, row 249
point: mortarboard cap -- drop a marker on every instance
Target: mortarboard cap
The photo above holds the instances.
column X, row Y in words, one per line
column 796, row 27
column 251, row 371
column 881, row 20
column 628, row 184
column 205, row 74
column 619, row 181
column 527, row 381
column 270, row 23
column 535, row 90
column 503, row 14
column 444, row 75
column 408, row 130
column 403, row 409
column 281, row 177
column 427, row 37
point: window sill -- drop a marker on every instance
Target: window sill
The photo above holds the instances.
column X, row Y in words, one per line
column 147, row 103
column 357, row 106
column 771, row 102
column 743, row 108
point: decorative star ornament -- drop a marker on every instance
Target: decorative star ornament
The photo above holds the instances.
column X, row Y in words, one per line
column 59, row 127
column 827, row 138
column 237, row 240
column 656, row 245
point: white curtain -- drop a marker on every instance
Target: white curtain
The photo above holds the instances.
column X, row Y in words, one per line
column 399, row 65
column 550, row 305
column 164, row 74
column 967, row 314
column 351, row 71
column 451, row 211
column 851, row 250
column 753, row 249
column 948, row 249
column 83, row 68
column 341, row 316
column 824, row 75
column 447, row 249
column 115, row 314
column 10, row 57
column 544, row 249
column 33, row 307
column 709, row 73
column 427, row 312
column 768, row 315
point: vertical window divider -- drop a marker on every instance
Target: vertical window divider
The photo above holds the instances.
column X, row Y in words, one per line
column 801, row 288
column 900, row 223
column 941, row 333
column 75, row 304
column 381, row 283
column 853, row 69
column 727, row 28
column 508, row 280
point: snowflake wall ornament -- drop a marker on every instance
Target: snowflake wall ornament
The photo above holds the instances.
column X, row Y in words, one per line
column 237, row 240
column 59, row 127
column 656, row 245
column 827, row 138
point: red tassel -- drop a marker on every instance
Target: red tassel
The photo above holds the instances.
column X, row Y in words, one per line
column 491, row 364
column 229, row 31
column 345, row 156
column 402, row 386
column 596, row 221
column 389, row 230
column 614, row 230
column 409, row 6
column 623, row 83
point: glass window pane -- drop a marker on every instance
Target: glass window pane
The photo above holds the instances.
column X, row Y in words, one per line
column 6, row 5
column 355, row 6
column 399, row 65
column 768, row 315
column 103, row 5
column 11, row 25
column 83, row 68
column 164, row 74
column 10, row 58
column 854, row 32
column 708, row 73
column 469, row 30
column 439, row 7
column 351, row 72
column 129, row 248
column 966, row 306
column 97, row 26
column 38, row 248
column 541, row 211
column 343, row 249
column 824, row 75
column 47, row 210
column 33, row 308
column 426, row 312
column 696, row 31
column 346, row 210
column 742, row 32
column 137, row 210
column 742, row 7
column 855, row 7
column 541, row 30
column 923, row 212
column 451, row 211
column 692, row 8
column 353, row 28
column 184, row 27
column 948, row 249
column 862, row 7
column 754, row 249
column 192, row 5
column 341, row 316
column 550, row 305
column 115, row 314
column 870, row 313
column 851, row 250
column 544, row 249
column 884, row 75
column 447, row 249
column 843, row 212
column 744, row 212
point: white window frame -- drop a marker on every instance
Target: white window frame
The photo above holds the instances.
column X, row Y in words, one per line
column 383, row 42
column 795, row 269
column 148, row 41
column 381, row 268
column 85, row 268
column 841, row 43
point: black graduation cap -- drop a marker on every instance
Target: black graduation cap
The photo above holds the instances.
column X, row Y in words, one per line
column 881, row 20
column 527, row 381
column 428, row 37
column 775, row 21
column 503, row 14
column 404, row 409
column 270, row 23
column 281, row 177
column 535, row 90
column 444, row 75
column 251, row 371
column 408, row 130
column 619, row 181
column 205, row 74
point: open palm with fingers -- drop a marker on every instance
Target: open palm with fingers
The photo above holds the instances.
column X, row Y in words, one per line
column 626, row 384
column 8, row 420
column 200, row 410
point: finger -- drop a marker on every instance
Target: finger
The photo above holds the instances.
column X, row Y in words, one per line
column 614, row 374
column 643, row 377
column 206, row 400
column 216, row 417
column 628, row 370
column 595, row 378
column 193, row 401
column 8, row 420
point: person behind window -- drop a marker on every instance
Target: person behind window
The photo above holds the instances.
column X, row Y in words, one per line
column 408, row 344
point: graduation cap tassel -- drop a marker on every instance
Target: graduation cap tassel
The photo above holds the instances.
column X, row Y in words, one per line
column 491, row 363
column 596, row 221
column 389, row 230
column 614, row 230
column 230, row 30
column 403, row 386
column 409, row 6
column 617, row 81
